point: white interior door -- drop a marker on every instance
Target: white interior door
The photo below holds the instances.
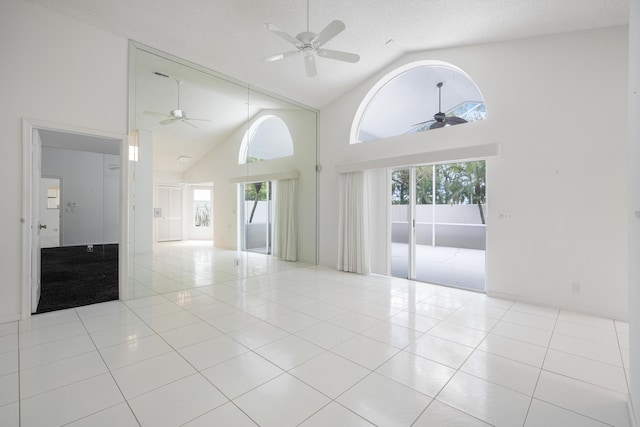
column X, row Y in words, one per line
column 36, row 161
column 169, row 222
column 162, row 221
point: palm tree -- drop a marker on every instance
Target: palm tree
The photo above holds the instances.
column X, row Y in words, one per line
column 253, row 191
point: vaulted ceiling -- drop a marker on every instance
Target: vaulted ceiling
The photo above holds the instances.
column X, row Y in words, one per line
column 229, row 35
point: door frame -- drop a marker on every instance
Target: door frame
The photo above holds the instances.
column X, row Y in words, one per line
column 28, row 192
column 156, row 203
column 412, row 215
column 242, row 216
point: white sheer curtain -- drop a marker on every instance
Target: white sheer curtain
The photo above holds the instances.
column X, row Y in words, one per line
column 285, row 222
column 353, row 223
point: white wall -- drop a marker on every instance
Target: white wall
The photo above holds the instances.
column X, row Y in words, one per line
column 58, row 70
column 89, row 208
column 549, row 102
column 221, row 163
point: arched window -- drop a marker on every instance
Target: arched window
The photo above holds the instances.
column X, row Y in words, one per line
column 267, row 138
column 408, row 99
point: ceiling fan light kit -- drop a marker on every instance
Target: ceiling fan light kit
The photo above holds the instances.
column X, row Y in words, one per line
column 310, row 44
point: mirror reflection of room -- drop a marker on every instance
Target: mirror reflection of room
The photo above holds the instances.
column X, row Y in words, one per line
column 216, row 170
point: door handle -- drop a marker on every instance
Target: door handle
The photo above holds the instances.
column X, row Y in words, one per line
column 43, row 226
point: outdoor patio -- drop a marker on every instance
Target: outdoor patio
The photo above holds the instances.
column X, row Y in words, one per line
column 461, row 268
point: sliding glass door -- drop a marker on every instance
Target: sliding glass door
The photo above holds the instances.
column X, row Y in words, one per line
column 401, row 223
column 438, row 226
column 257, row 217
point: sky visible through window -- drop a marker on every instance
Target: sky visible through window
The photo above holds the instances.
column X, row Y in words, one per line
column 269, row 139
column 408, row 102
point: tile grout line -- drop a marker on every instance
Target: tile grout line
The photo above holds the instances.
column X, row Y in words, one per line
column 563, row 375
column 19, row 376
column 110, row 372
column 459, row 368
column 355, row 288
column 546, row 352
column 624, row 369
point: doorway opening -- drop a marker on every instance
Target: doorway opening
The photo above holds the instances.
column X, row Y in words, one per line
column 438, row 232
column 256, row 217
column 74, row 221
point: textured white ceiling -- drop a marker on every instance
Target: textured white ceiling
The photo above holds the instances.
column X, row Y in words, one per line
column 229, row 35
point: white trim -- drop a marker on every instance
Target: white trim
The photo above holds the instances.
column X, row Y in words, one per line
column 554, row 304
column 473, row 152
column 28, row 126
column 9, row 318
column 249, row 134
column 247, row 179
column 27, row 131
column 135, row 45
column 387, row 78
column 630, row 411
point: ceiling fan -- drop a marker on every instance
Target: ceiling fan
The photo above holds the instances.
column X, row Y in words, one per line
column 175, row 115
column 440, row 119
column 308, row 43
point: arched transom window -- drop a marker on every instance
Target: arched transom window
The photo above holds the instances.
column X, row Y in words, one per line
column 267, row 138
column 418, row 97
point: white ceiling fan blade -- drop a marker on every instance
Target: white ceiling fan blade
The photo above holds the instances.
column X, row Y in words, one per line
column 310, row 65
column 200, row 120
column 280, row 33
column 330, row 31
column 280, row 56
column 167, row 122
column 339, row 55
column 153, row 113
column 185, row 121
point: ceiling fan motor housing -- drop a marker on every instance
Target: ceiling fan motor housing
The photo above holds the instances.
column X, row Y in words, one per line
column 306, row 41
column 178, row 114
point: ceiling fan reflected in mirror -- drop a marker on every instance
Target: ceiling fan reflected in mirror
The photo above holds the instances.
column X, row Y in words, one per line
column 175, row 115
column 310, row 44
column 440, row 119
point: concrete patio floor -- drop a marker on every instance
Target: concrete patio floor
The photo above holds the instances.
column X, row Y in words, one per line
column 461, row 268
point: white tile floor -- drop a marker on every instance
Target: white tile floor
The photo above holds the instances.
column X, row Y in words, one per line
column 281, row 344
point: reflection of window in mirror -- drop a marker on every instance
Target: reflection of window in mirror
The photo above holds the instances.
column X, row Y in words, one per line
column 202, row 208
column 267, row 138
column 53, row 198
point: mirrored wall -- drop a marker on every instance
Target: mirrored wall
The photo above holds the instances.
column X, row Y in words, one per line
column 222, row 178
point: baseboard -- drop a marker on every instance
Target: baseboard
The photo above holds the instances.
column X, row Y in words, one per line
column 632, row 418
column 552, row 304
column 9, row 318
